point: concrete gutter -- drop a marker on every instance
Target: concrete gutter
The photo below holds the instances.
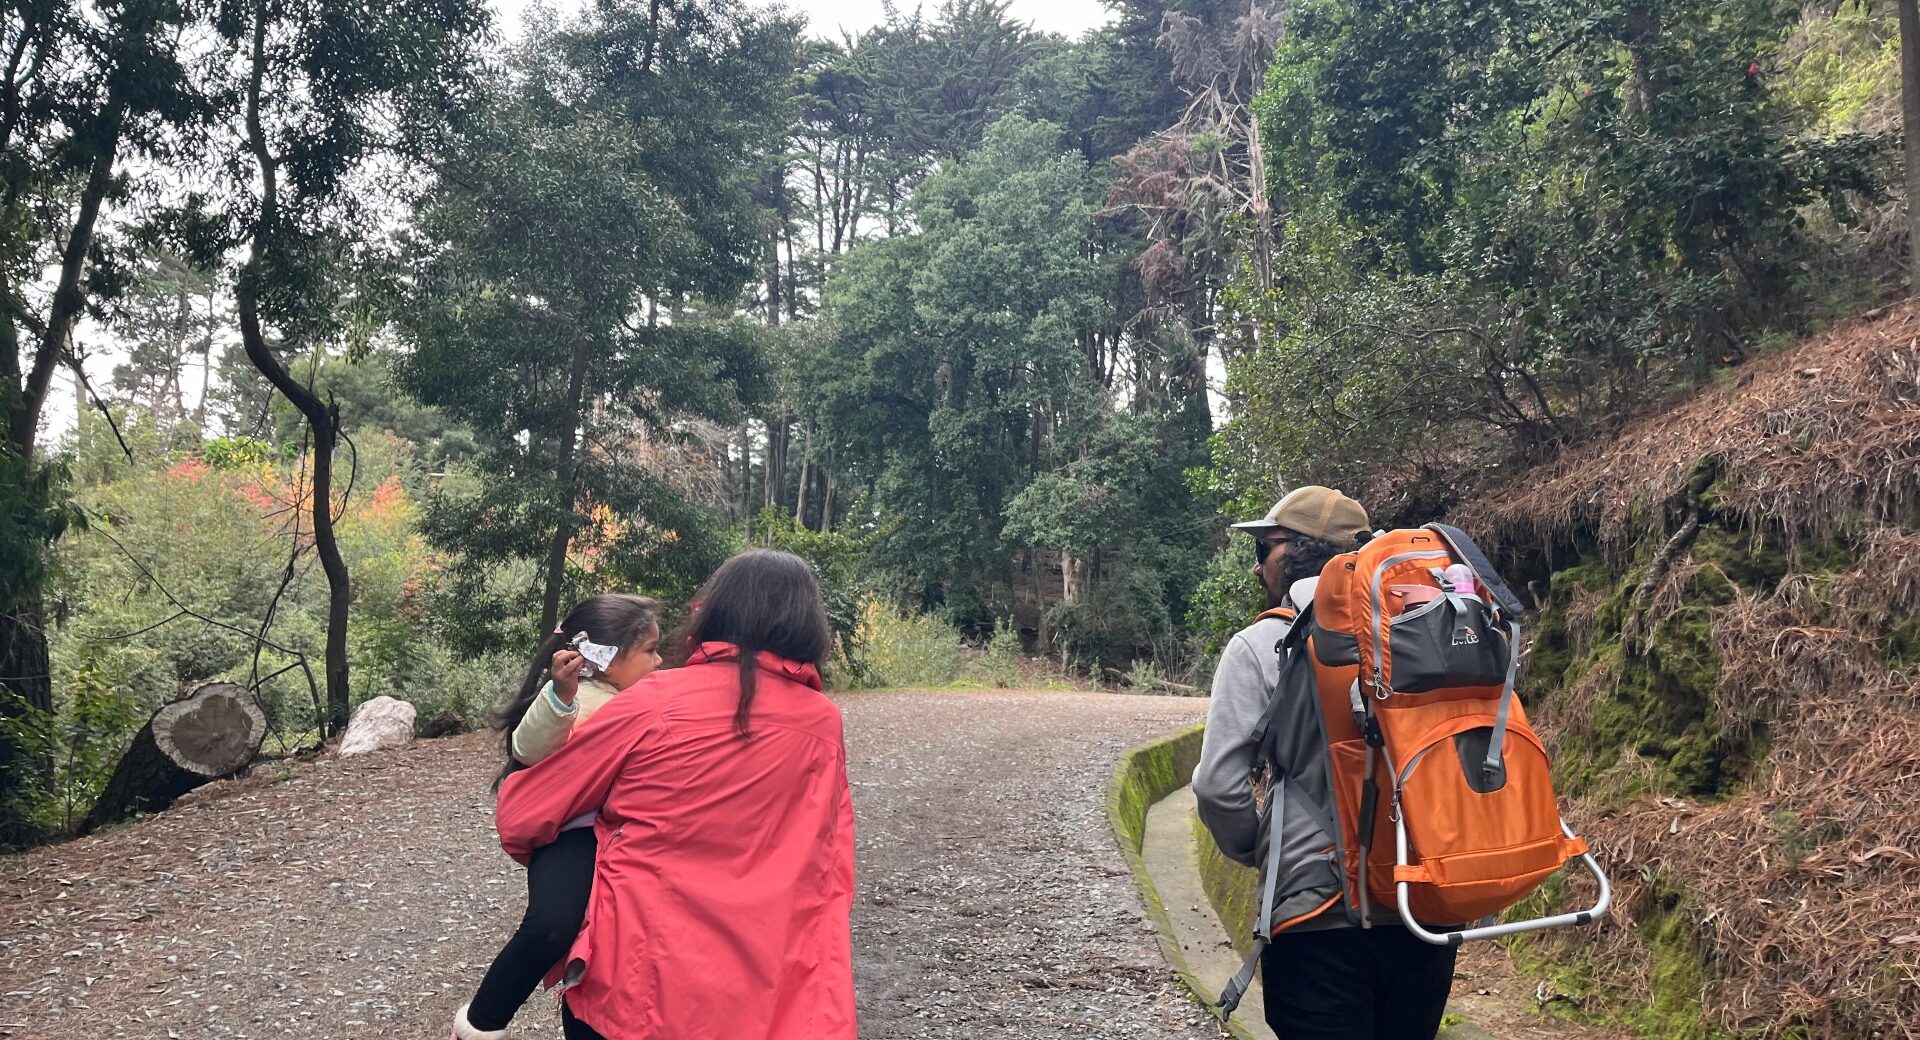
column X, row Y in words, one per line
column 1143, row 778
column 1175, row 872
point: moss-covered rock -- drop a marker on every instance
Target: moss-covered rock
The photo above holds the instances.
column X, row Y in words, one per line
column 1676, row 973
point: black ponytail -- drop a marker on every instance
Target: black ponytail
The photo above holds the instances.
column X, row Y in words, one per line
column 608, row 619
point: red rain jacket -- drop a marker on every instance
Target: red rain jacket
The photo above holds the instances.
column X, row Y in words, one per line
column 723, row 892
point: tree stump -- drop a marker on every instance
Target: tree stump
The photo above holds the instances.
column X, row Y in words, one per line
column 445, row 724
column 210, row 733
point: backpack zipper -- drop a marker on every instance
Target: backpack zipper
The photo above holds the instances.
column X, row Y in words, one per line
column 1379, row 615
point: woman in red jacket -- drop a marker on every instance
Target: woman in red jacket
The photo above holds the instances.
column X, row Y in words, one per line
column 724, row 885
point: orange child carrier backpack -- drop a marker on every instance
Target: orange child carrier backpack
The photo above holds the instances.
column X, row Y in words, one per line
column 1413, row 642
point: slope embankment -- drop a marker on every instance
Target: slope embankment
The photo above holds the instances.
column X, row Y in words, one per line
column 1726, row 656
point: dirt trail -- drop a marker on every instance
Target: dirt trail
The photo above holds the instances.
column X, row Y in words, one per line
column 364, row 898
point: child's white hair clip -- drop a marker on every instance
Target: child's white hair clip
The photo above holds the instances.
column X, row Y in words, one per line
column 598, row 656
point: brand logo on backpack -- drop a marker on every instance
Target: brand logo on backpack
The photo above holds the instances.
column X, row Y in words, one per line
column 1465, row 636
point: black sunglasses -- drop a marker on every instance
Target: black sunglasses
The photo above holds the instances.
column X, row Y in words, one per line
column 1264, row 547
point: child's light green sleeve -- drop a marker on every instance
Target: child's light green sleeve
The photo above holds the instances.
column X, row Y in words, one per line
column 543, row 728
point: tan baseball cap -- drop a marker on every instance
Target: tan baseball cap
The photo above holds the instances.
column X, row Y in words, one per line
column 1317, row 512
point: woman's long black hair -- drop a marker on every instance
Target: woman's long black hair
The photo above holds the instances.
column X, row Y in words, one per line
column 610, row 619
column 762, row 599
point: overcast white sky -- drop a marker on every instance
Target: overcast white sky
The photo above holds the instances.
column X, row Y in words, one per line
column 828, row 17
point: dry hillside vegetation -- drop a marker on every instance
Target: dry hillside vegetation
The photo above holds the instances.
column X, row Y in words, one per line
column 1728, row 658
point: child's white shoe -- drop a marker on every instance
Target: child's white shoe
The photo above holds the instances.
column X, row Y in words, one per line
column 463, row 1029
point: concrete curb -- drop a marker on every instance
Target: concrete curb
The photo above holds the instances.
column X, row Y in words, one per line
column 1144, row 775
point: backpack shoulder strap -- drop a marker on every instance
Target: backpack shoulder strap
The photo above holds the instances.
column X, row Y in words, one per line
column 1296, row 636
column 1458, row 541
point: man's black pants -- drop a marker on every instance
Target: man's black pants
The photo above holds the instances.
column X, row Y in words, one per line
column 1378, row 983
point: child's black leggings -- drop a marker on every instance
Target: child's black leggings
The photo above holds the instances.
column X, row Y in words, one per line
column 559, row 878
column 574, row 1029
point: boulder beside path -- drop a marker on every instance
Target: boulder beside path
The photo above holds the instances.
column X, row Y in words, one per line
column 383, row 722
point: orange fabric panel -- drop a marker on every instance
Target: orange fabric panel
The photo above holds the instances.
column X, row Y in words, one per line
column 1444, row 812
column 1308, row 916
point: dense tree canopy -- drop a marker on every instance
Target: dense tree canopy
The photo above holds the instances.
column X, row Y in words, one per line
column 993, row 324
column 1532, row 218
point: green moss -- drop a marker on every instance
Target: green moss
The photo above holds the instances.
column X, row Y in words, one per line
column 1737, row 558
column 1144, row 776
column 1676, row 970
column 1566, row 969
column 1676, row 973
column 1901, row 643
column 1232, row 890
column 1659, row 706
column 1653, row 727
column 1551, row 662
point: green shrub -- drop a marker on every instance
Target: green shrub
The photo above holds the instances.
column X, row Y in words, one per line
column 238, row 452
column 174, row 533
column 471, row 688
column 836, row 561
column 999, row 662
column 1117, row 621
column 901, row 650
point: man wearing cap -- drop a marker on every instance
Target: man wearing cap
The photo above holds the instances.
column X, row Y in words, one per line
column 1324, row 978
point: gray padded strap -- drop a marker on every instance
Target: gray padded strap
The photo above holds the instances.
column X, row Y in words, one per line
column 1499, row 738
column 1269, row 884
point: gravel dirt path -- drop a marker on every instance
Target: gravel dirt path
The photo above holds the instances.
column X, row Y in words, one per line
column 364, row 898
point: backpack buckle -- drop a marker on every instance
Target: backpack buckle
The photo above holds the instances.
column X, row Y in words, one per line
column 1371, row 731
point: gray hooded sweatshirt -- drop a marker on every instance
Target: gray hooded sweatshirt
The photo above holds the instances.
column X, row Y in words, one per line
column 1248, row 674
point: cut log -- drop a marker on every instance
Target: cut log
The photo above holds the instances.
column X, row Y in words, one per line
column 213, row 732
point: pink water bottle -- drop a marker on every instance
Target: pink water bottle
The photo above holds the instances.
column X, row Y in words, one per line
column 1460, row 577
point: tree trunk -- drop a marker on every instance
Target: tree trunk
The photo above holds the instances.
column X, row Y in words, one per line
column 556, row 569
column 26, row 698
column 206, row 369
column 1643, row 29
column 1910, row 120
column 746, row 476
column 778, row 434
column 323, row 418
column 68, row 298
column 773, row 264
column 211, row 733
column 826, row 499
column 806, row 472
column 792, row 292
column 1040, row 635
